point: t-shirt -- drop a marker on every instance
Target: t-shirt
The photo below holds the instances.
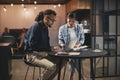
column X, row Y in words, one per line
column 73, row 38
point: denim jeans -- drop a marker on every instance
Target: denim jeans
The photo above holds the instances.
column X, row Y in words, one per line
column 74, row 64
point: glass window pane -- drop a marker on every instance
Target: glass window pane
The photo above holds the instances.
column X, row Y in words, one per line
column 118, row 3
column 106, row 5
column 112, row 25
column 118, row 22
column 99, row 30
column 112, row 5
column 99, row 42
column 118, row 47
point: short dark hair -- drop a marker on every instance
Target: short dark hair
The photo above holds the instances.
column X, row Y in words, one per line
column 71, row 15
column 41, row 14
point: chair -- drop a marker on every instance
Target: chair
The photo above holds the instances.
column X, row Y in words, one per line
column 31, row 65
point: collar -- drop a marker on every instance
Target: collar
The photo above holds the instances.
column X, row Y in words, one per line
column 43, row 25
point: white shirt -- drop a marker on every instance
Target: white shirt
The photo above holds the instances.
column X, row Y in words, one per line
column 73, row 38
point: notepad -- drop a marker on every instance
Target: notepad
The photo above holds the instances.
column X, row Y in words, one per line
column 74, row 53
column 61, row 53
column 81, row 47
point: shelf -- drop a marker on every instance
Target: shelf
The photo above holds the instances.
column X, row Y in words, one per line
column 111, row 12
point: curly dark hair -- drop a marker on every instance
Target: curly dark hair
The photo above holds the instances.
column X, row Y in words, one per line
column 41, row 14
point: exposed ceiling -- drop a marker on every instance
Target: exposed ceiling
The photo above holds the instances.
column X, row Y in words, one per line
column 32, row 1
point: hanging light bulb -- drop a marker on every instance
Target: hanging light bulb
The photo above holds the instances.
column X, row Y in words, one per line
column 59, row 5
column 35, row 7
column 25, row 8
column 4, row 9
column 11, row 4
column 54, row 6
column 22, row 5
column 35, row 2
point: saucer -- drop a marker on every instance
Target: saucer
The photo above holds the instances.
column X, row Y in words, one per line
column 97, row 50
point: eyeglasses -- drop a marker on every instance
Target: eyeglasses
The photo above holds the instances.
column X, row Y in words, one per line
column 51, row 19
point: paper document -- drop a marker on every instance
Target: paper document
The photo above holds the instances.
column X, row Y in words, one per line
column 61, row 53
column 81, row 47
column 74, row 53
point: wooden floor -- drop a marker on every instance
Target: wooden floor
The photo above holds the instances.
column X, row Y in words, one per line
column 19, row 68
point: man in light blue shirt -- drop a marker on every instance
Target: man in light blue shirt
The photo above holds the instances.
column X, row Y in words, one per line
column 71, row 35
column 64, row 36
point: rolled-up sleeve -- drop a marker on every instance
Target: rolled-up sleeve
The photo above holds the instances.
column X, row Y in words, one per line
column 81, row 36
column 60, row 35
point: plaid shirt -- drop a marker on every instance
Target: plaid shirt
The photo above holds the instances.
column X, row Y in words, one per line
column 64, row 36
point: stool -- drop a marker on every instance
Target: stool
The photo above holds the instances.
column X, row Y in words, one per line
column 31, row 65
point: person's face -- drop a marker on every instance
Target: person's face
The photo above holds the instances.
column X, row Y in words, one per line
column 71, row 22
column 49, row 20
